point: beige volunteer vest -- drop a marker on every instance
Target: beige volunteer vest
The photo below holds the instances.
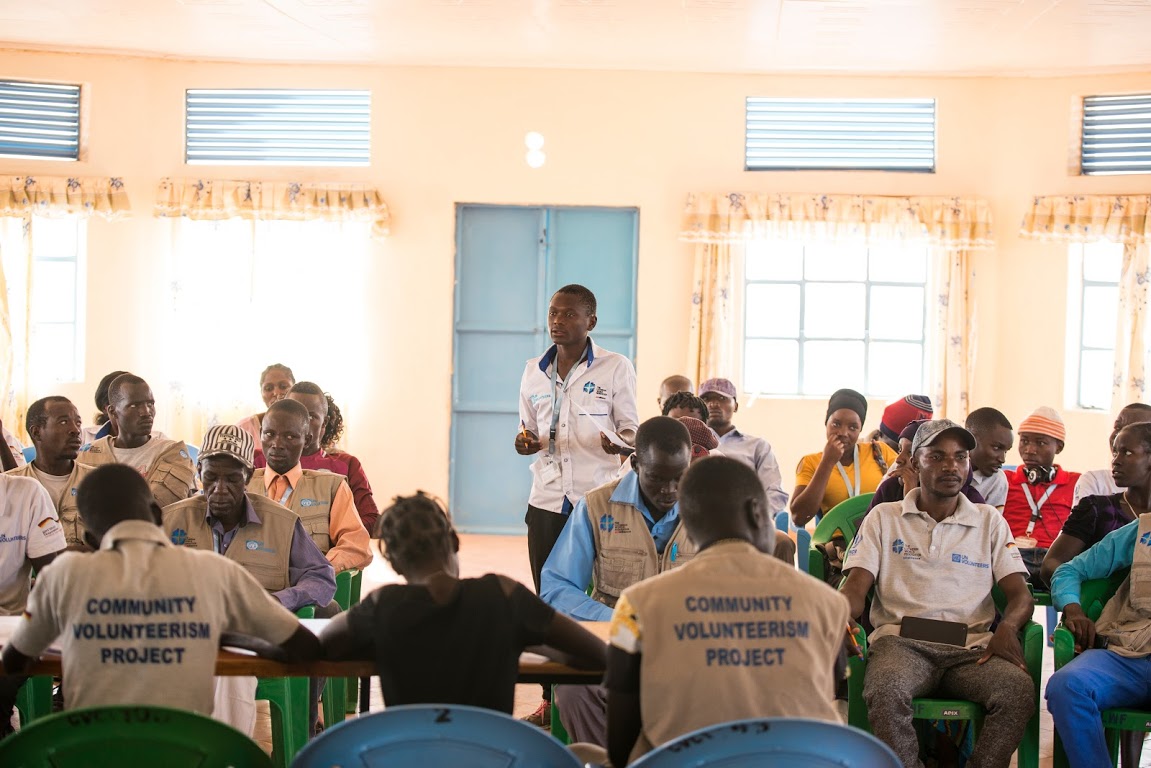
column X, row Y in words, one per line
column 311, row 500
column 1126, row 619
column 68, row 511
column 171, row 476
column 625, row 550
column 264, row 548
column 734, row 634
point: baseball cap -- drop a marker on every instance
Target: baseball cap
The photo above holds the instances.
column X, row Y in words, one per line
column 229, row 440
column 721, row 386
column 929, row 431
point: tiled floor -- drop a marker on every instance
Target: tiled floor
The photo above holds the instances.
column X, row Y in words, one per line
column 508, row 555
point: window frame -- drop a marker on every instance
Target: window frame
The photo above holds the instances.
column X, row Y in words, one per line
column 80, row 97
column 1077, row 286
column 925, row 341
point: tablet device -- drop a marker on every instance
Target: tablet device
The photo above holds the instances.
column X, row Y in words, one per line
column 934, row 631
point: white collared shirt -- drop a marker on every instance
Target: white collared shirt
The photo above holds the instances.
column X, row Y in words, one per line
column 598, row 396
column 1097, row 482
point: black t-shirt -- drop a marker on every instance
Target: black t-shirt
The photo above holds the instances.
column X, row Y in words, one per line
column 1096, row 516
column 465, row 651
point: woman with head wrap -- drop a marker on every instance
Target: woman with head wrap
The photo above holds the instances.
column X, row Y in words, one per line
column 844, row 468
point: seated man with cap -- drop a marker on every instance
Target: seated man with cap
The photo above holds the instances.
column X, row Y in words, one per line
column 322, row 499
column 933, row 560
column 273, row 544
column 1039, row 491
column 902, row 477
column 54, row 425
column 720, row 397
column 164, row 463
column 256, row 532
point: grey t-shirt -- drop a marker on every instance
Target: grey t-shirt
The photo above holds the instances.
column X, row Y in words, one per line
column 993, row 488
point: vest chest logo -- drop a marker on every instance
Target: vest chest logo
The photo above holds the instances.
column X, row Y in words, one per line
column 1145, row 539
column 674, row 552
column 252, row 545
column 73, row 491
column 313, row 503
column 179, row 536
column 606, row 523
column 184, row 454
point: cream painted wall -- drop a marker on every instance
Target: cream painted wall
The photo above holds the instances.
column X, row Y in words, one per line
column 443, row 136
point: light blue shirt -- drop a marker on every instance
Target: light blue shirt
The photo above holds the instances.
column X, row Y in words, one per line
column 757, row 453
column 1115, row 551
column 568, row 570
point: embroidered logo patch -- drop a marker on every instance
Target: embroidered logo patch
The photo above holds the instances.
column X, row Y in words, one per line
column 252, row 545
column 897, row 546
column 1145, row 539
column 313, row 503
column 179, row 536
column 589, row 387
column 606, row 523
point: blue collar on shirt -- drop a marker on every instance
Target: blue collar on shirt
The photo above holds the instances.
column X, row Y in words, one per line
column 104, row 431
column 627, row 492
column 553, row 350
column 250, row 515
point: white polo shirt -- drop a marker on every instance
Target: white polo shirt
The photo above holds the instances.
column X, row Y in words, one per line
column 29, row 527
column 1097, row 482
column 139, row 621
column 598, row 396
column 931, row 570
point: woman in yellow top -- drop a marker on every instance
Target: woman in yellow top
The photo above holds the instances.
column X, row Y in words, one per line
column 845, row 468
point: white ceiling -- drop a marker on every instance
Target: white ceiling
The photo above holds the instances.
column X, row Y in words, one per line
column 906, row 36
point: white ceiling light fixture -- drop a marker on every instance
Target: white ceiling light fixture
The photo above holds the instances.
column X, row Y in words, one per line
column 535, row 157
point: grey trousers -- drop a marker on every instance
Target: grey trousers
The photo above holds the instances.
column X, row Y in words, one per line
column 583, row 711
column 899, row 670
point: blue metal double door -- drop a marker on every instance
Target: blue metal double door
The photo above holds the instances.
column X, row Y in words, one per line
column 509, row 262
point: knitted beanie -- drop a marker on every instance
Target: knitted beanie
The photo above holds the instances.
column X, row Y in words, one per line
column 904, row 411
column 1045, row 421
column 847, row 398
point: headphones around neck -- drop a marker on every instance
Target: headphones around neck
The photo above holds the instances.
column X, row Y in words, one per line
column 1040, row 475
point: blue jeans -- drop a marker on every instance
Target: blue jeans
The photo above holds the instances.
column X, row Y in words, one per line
column 1076, row 695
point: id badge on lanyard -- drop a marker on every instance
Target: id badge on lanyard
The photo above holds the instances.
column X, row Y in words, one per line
column 558, row 395
column 852, row 492
column 1027, row 541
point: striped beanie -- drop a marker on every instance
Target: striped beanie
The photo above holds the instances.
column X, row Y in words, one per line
column 902, row 412
column 1045, row 421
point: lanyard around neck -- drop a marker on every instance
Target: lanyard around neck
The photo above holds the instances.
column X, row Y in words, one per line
column 558, row 394
column 850, row 492
column 1036, row 507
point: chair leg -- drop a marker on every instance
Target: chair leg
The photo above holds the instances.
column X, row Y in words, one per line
column 365, row 695
column 1130, row 748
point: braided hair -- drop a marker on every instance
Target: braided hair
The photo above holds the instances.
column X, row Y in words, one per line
column 686, row 400
column 333, row 422
column 414, row 529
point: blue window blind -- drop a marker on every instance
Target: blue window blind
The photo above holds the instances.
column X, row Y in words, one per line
column 840, row 135
column 1116, row 135
column 277, row 127
column 39, row 120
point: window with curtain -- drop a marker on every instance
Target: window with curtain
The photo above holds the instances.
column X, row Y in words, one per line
column 246, row 294
column 1093, row 310
column 46, row 291
column 818, row 317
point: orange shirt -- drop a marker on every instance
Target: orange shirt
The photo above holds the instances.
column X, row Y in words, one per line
column 350, row 540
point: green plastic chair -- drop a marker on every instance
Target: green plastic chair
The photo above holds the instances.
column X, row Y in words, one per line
column 1093, row 595
column 287, row 699
column 340, row 692
column 844, row 517
column 112, row 737
column 34, row 700
column 1030, row 637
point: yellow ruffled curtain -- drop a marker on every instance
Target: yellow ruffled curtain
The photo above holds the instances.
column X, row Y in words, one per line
column 951, row 226
column 711, row 347
column 21, row 198
column 218, row 199
column 950, row 223
column 1118, row 219
column 954, row 348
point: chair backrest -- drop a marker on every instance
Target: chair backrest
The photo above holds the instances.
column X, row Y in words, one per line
column 1094, row 593
column 110, row 737
column 423, row 735
column 782, row 522
column 29, row 454
column 845, row 517
column 793, row 742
